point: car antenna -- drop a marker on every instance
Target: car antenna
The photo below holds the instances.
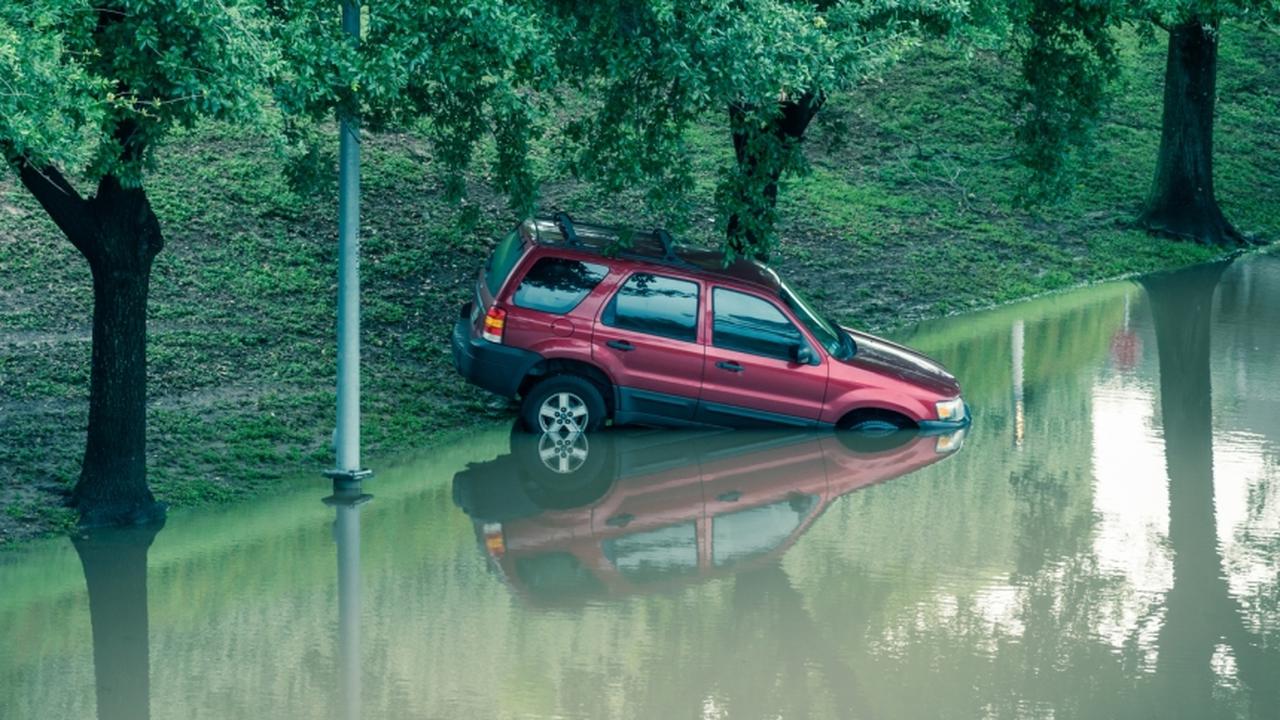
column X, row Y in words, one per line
column 565, row 223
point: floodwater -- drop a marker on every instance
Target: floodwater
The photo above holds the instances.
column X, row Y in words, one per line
column 1102, row 543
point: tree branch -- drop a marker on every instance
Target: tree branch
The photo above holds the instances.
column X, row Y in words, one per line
column 60, row 200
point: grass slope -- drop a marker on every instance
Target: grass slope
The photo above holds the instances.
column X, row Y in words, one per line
column 907, row 214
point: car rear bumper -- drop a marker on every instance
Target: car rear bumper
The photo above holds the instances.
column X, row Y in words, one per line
column 496, row 368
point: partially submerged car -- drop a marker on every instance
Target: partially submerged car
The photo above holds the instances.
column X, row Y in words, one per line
column 587, row 323
column 565, row 517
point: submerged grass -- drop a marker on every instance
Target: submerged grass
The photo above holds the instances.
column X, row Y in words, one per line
column 909, row 213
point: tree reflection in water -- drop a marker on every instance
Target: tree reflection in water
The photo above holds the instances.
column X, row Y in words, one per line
column 1200, row 612
column 115, row 572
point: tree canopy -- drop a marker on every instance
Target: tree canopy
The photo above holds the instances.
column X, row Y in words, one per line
column 465, row 70
column 89, row 88
column 647, row 71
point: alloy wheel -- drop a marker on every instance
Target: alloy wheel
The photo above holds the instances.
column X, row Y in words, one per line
column 563, row 411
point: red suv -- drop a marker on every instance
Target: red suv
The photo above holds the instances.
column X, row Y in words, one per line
column 586, row 323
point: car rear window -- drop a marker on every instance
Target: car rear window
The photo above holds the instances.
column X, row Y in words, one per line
column 655, row 305
column 502, row 261
column 557, row 285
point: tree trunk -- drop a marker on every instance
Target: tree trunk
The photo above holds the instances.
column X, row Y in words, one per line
column 115, row 573
column 113, row 478
column 761, row 157
column 1182, row 202
column 119, row 235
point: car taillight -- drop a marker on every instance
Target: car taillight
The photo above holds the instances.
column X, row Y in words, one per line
column 494, row 322
column 493, row 540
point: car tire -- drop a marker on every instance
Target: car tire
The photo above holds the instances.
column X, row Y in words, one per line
column 563, row 403
column 876, row 432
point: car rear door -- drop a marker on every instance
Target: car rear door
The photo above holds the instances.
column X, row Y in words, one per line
column 750, row 375
column 646, row 338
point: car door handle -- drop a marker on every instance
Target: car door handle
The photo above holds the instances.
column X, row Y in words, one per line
column 729, row 365
column 731, row 496
column 622, row 345
column 619, row 521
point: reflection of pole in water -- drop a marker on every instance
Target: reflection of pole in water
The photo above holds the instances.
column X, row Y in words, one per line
column 115, row 575
column 346, row 501
column 1019, row 410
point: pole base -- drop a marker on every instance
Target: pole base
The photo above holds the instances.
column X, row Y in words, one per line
column 348, row 476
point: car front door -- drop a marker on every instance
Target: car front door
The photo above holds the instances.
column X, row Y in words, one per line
column 646, row 338
column 751, row 374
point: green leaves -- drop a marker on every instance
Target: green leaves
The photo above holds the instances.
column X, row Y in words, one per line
column 1067, row 50
column 1068, row 58
column 465, row 70
column 94, row 85
column 48, row 101
column 648, row 71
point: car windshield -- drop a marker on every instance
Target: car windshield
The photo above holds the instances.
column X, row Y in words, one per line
column 831, row 337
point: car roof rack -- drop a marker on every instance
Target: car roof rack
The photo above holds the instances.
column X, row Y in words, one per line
column 668, row 246
column 666, row 254
column 565, row 223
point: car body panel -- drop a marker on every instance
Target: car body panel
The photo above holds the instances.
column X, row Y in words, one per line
column 765, row 391
column 763, row 387
column 656, row 376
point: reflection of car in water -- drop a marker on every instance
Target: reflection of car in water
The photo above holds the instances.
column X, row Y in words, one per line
column 628, row 511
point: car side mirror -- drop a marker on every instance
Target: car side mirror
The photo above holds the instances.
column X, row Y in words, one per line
column 803, row 355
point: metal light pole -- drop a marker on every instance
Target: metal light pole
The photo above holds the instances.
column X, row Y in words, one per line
column 347, row 434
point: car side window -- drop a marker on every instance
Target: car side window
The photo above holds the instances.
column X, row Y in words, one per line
column 750, row 324
column 656, row 305
column 557, row 285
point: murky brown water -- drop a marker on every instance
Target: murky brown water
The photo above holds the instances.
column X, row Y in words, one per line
column 1104, row 544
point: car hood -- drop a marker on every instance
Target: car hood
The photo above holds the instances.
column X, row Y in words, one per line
column 881, row 356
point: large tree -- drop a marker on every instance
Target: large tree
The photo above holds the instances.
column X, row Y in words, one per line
column 1068, row 54
column 648, row 70
column 88, row 90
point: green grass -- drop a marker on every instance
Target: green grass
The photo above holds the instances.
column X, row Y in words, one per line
column 907, row 214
